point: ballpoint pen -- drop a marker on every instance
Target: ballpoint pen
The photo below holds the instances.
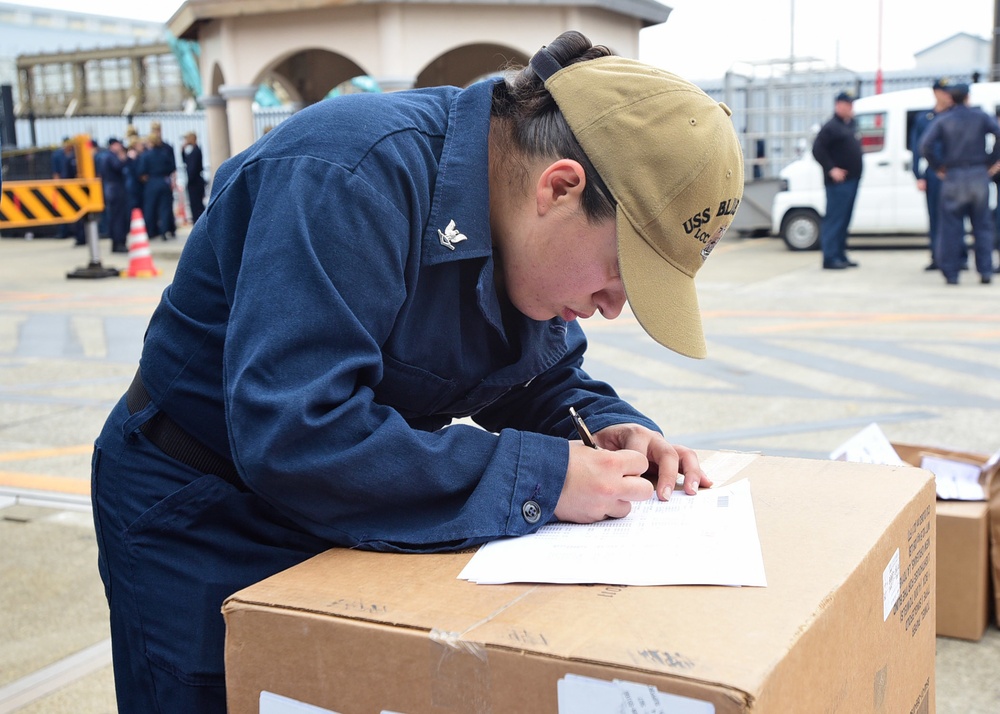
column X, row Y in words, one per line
column 582, row 429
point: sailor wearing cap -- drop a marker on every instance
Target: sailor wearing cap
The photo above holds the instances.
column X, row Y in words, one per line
column 64, row 166
column 157, row 169
column 838, row 150
column 193, row 168
column 374, row 268
column 927, row 181
column 112, row 174
column 955, row 148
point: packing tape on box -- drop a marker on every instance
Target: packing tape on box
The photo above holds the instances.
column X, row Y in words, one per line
column 454, row 640
column 459, row 674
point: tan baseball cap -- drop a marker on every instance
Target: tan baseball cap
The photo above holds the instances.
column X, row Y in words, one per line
column 671, row 158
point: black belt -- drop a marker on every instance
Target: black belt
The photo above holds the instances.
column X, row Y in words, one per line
column 966, row 165
column 170, row 438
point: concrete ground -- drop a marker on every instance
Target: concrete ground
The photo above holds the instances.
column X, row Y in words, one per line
column 799, row 360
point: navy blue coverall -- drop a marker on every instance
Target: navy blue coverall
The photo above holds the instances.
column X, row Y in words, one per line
column 836, row 145
column 322, row 334
column 956, row 145
column 191, row 155
column 112, row 173
column 932, row 189
column 157, row 164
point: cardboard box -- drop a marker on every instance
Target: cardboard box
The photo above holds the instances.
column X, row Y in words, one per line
column 969, row 535
column 846, row 623
column 963, row 569
column 915, row 454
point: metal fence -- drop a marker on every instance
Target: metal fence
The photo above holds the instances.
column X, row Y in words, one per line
column 173, row 125
column 776, row 112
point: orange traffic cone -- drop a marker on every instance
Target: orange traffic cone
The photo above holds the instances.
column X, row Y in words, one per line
column 140, row 257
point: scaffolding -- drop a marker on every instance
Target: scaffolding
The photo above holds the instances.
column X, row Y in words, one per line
column 117, row 81
column 779, row 105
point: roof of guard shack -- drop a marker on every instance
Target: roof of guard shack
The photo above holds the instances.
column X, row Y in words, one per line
column 185, row 22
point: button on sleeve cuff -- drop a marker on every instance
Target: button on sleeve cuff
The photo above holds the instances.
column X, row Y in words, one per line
column 539, row 475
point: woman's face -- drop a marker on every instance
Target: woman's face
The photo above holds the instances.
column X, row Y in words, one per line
column 565, row 267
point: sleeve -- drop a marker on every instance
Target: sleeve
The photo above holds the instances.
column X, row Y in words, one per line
column 915, row 134
column 543, row 404
column 928, row 145
column 993, row 128
column 821, row 150
column 314, row 293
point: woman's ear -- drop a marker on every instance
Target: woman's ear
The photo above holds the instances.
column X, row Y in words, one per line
column 560, row 183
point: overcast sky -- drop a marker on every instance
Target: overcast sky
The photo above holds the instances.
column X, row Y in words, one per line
column 704, row 38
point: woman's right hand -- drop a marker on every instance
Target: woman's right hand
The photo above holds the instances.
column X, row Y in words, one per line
column 602, row 484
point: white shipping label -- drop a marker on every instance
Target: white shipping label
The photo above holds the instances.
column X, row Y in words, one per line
column 586, row 695
column 271, row 703
column 890, row 585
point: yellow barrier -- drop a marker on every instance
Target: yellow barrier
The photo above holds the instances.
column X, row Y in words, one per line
column 50, row 202
column 24, row 204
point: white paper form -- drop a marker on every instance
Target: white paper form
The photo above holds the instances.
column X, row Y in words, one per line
column 868, row 446
column 955, row 480
column 707, row 539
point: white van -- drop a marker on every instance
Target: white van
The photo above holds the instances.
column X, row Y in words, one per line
column 888, row 201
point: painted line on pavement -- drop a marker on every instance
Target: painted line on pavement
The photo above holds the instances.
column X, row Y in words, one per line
column 852, row 317
column 41, row 482
column 47, row 680
column 44, row 499
column 44, row 483
column 29, row 454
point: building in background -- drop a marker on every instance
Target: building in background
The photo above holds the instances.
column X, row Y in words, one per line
column 961, row 52
column 57, row 66
column 114, row 81
column 29, row 31
column 84, row 73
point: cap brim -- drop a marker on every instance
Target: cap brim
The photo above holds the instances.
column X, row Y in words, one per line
column 662, row 297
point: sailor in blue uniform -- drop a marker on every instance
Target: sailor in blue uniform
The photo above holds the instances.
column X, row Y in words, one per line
column 112, row 173
column 955, row 148
column 372, row 270
column 928, row 181
column 157, row 166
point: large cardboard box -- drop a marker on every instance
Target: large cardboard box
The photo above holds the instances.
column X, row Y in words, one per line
column 845, row 624
column 963, row 569
column 967, row 533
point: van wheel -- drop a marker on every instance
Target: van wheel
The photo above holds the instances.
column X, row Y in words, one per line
column 800, row 229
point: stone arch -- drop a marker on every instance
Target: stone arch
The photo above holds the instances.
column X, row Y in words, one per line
column 309, row 46
column 308, row 74
column 216, row 79
column 216, row 141
column 464, row 64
